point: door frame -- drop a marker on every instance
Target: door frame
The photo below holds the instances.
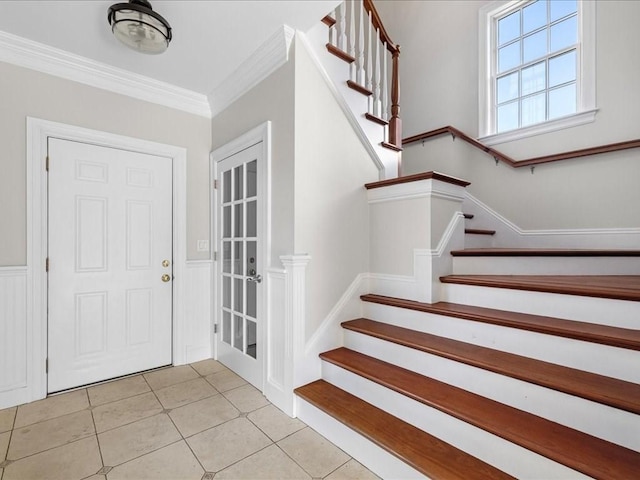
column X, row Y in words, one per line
column 38, row 132
column 261, row 133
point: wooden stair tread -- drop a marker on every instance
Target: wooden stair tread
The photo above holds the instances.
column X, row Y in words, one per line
column 359, row 88
column 424, row 452
column 587, row 454
column 416, row 178
column 378, row 120
column 621, row 287
column 341, row 54
column 542, row 252
column 468, row 216
column 598, row 388
column 479, row 231
column 590, row 332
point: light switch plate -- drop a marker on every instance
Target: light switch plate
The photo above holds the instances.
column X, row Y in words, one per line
column 203, row 245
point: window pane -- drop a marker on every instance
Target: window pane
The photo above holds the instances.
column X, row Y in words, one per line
column 564, row 34
column 252, row 173
column 509, row 57
column 252, row 299
column 226, row 222
column 238, row 258
column 534, row 16
column 252, row 220
column 226, row 186
column 533, row 109
column 535, row 46
column 238, row 182
column 508, row 117
column 251, row 338
column 238, row 300
column 562, row 8
column 509, row 28
column 226, row 327
column 508, row 87
column 562, row 101
column 533, row 78
column 238, row 333
column 226, row 257
column 238, row 220
column 562, row 69
column 226, row 292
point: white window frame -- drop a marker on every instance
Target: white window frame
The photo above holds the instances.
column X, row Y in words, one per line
column 585, row 84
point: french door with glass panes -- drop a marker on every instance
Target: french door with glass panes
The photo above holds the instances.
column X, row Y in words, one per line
column 239, row 327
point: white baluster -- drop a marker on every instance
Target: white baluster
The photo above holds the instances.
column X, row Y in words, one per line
column 369, row 66
column 385, row 83
column 376, row 79
column 360, row 77
column 332, row 30
column 342, row 27
column 352, row 40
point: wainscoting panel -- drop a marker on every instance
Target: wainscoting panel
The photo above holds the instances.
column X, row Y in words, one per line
column 197, row 311
column 13, row 336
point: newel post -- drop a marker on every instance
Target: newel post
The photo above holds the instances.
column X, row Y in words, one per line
column 395, row 123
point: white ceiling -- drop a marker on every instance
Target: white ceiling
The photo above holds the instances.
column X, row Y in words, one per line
column 211, row 38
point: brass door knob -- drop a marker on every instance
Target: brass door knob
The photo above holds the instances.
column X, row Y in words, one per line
column 166, row 277
column 166, row 263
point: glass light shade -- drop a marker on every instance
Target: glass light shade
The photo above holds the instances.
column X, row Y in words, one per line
column 137, row 26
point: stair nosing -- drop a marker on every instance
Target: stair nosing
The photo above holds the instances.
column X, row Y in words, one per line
column 535, row 323
column 508, row 429
column 385, row 443
column 545, row 374
column 479, row 231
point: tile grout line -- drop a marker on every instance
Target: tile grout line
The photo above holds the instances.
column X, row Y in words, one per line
column 95, row 428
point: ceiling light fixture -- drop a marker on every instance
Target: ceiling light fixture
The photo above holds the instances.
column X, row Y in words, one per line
column 137, row 26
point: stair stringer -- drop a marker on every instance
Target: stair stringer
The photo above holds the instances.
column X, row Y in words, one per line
column 510, row 235
column 354, row 105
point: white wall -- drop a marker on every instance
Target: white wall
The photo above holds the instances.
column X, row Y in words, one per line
column 439, row 86
column 331, row 212
column 29, row 93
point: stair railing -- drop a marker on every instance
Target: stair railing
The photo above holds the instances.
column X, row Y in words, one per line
column 530, row 162
column 355, row 28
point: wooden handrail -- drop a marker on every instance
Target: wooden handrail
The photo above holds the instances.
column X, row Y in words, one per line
column 612, row 147
column 377, row 24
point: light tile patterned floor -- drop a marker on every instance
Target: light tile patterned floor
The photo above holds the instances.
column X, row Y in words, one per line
column 198, row 421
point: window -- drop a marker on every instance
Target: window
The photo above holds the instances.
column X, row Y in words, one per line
column 537, row 69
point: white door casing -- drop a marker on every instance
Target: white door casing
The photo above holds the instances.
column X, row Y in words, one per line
column 38, row 133
column 240, row 229
column 110, row 263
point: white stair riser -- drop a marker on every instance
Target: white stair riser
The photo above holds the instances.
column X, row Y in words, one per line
column 602, row 311
column 366, row 452
column 472, row 240
column 591, row 357
column 546, row 265
column 601, row 421
column 504, row 455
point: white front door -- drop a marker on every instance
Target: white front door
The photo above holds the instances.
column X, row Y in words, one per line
column 110, row 263
column 240, row 330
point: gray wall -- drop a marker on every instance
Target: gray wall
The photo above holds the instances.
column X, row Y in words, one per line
column 25, row 92
column 439, row 86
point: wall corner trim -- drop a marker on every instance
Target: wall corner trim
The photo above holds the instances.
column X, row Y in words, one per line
column 53, row 61
column 271, row 55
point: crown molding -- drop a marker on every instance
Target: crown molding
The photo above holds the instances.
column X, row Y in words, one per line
column 37, row 56
column 271, row 55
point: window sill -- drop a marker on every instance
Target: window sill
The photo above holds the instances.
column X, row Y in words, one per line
column 581, row 118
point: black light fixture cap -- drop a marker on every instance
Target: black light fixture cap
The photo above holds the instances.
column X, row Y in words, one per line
column 142, row 6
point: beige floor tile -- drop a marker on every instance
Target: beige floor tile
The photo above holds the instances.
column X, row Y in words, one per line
column 131, row 441
column 221, row 446
column 207, row 367
column 6, row 419
column 246, row 398
column 225, row 380
column 117, row 390
column 202, row 415
column 313, row 452
column 352, row 470
column 116, row 414
column 185, row 392
column 169, row 463
column 51, row 407
column 52, row 433
column 170, row 376
column 69, row 462
column 4, row 445
column 274, row 422
column 270, row 463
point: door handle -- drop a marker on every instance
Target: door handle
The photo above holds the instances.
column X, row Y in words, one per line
column 255, row 278
column 166, row 277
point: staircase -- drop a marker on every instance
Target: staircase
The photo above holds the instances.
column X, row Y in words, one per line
column 519, row 371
